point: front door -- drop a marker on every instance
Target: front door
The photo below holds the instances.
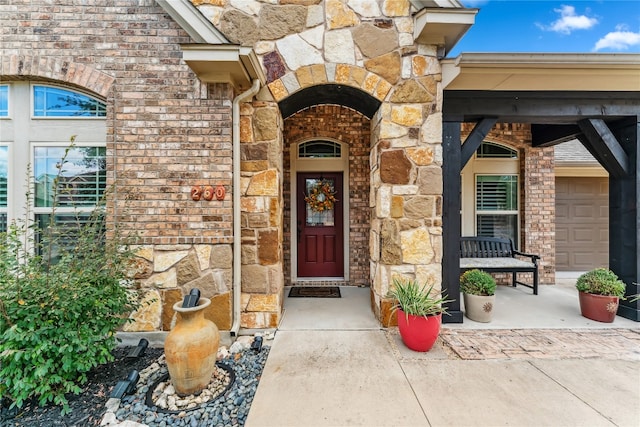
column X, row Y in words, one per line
column 319, row 227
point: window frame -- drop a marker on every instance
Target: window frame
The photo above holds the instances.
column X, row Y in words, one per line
column 499, row 212
column 497, row 166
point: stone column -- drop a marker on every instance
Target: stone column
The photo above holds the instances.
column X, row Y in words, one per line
column 261, row 218
column 406, row 183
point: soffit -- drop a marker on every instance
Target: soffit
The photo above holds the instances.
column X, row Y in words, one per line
column 442, row 26
column 520, row 71
column 213, row 59
column 224, row 64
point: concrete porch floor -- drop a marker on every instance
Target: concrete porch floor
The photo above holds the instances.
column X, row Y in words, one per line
column 538, row 363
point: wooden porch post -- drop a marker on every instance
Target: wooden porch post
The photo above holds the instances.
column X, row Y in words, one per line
column 451, row 205
column 624, row 219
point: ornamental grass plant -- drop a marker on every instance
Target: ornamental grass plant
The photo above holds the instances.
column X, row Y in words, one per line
column 64, row 292
column 415, row 299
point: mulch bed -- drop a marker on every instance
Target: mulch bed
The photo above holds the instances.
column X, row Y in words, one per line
column 87, row 408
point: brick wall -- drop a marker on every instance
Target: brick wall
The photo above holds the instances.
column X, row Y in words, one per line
column 537, row 193
column 346, row 125
column 165, row 130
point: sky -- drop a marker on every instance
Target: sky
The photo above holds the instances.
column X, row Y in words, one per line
column 566, row 26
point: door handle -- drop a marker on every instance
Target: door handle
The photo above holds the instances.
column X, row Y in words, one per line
column 299, row 230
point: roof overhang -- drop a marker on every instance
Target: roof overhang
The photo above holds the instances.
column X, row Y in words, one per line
column 213, row 59
column 442, row 26
column 542, row 71
column 192, row 21
column 233, row 64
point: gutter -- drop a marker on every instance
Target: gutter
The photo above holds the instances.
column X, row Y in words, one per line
column 237, row 283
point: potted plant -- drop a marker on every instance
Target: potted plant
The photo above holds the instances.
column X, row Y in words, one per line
column 419, row 311
column 478, row 292
column 599, row 293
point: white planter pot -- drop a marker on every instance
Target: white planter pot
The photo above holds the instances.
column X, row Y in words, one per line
column 479, row 308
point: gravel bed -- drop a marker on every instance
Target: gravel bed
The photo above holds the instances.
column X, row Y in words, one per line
column 89, row 407
column 230, row 409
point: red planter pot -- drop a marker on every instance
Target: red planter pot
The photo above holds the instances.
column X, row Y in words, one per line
column 601, row 308
column 417, row 332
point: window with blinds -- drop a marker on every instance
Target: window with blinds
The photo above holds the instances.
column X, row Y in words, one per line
column 74, row 183
column 497, row 206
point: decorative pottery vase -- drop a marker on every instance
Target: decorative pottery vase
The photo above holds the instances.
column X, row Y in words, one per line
column 191, row 348
column 479, row 308
column 601, row 308
column 419, row 333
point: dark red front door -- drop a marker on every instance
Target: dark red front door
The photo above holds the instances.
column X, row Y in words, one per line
column 319, row 228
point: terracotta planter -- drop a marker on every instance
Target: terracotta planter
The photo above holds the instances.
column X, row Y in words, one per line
column 191, row 348
column 601, row 308
column 418, row 333
column 479, row 308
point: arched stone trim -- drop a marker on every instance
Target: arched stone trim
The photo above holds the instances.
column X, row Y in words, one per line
column 318, row 74
column 29, row 67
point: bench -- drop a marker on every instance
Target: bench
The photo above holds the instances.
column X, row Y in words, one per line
column 496, row 255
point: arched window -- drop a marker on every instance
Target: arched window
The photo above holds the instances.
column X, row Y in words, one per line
column 489, row 150
column 51, row 101
column 319, row 149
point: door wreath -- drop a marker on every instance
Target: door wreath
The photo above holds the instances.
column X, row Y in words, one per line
column 322, row 197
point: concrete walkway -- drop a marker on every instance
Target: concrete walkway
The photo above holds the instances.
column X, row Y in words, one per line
column 321, row 373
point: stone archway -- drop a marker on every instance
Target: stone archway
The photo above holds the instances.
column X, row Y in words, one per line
column 405, row 176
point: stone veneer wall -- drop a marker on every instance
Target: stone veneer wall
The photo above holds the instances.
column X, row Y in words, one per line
column 367, row 45
column 345, row 125
column 537, row 193
column 166, row 131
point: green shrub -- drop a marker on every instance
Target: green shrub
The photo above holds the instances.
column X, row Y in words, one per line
column 477, row 282
column 415, row 299
column 58, row 319
column 601, row 281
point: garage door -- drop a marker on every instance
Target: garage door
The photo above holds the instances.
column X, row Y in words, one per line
column 582, row 223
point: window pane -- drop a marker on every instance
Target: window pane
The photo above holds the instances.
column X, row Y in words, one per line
column 65, row 235
column 505, row 226
column 490, row 150
column 4, row 100
column 496, row 193
column 82, row 177
column 55, row 102
column 316, row 217
column 4, row 151
column 315, row 149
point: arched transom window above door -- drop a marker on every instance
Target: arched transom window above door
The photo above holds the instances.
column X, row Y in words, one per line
column 319, row 149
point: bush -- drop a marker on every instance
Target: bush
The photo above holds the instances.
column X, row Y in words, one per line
column 601, row 281
column 477, row 282
column 58, row 320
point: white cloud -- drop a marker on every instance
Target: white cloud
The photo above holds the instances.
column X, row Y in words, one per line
column 621, row 39
column 569, row 21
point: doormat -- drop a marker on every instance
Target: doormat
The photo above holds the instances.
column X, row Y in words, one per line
column 314, row 292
